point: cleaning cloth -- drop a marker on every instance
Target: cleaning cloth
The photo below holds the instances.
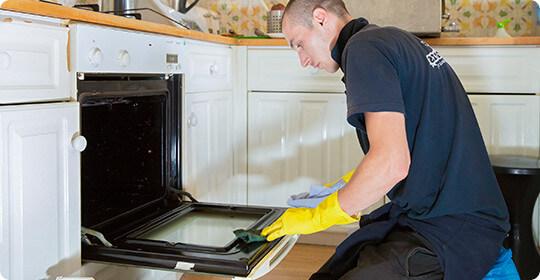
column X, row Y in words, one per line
column 249, row 236
column 316, row 195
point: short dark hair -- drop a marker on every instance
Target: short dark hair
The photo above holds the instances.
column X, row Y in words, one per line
column 301, row 11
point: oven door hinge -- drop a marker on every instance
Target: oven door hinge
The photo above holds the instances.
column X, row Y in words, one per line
column 180, row 194
column 96, row 234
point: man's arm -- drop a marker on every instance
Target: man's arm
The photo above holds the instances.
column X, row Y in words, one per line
column 385, row 165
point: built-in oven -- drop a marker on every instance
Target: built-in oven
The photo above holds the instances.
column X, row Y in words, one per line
column 134, row 210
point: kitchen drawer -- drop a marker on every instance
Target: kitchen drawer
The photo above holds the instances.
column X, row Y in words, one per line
column 208, row 67
column 513, row 69
column 33, row 60
column 278, row 69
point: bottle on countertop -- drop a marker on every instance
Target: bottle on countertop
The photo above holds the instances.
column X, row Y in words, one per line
column 501, row 29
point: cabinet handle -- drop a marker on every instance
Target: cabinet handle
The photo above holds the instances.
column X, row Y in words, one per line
column 79, row 143
column 5, row 60
column 192, row 120
column 214, row 69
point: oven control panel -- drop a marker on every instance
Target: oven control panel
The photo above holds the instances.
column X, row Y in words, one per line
column 99, row 49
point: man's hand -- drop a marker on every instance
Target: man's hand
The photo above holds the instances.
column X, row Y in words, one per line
column 307, row 220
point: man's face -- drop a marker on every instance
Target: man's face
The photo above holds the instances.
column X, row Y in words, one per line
column 313, row 44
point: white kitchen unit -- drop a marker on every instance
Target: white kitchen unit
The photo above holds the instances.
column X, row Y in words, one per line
column 39, row 151
column 497, row 69
column 510, row 124
column 40, row 221
column 33, row 60
column 501, row 81
column 210, row 172
column 209, row 148
column 296, row 140
column 298, row 134
column 279, row 69
column 504, row 89
column 208, row 67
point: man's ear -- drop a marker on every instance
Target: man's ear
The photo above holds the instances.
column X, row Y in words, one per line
column 320, row 16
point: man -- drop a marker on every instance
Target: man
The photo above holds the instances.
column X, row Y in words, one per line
column 423, row 149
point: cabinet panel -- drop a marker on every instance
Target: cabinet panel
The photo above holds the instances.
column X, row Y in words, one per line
column 509, row 124
column 33, row 62
column 208, row 146
column 296, row 140
column 208, row 67
column 495, row 69
column 40, row 234
column 278, row 69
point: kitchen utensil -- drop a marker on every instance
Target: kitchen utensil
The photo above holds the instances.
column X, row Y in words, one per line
column 274, row 18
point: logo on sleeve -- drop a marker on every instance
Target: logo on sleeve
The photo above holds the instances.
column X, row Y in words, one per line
column 434, row 58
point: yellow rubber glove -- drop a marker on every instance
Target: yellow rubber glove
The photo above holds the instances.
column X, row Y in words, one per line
column 346, row 178
column 309, row 220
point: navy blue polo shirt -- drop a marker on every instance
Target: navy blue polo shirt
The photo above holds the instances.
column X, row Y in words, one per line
column 450, row 196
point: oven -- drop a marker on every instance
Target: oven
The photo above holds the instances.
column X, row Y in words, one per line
column 133, row 208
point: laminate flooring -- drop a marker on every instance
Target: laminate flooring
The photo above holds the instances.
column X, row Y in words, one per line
column 300, row 263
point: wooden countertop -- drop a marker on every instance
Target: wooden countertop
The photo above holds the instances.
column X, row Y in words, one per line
column 478, row 41
column 78, row 15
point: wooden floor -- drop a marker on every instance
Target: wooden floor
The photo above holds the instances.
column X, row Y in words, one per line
column 300, row 263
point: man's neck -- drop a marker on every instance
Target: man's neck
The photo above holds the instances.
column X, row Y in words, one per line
column 339, row 27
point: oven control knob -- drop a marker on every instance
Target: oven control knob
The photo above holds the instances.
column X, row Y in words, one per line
column 123, row 58
column 95, row 57
column 78, row 142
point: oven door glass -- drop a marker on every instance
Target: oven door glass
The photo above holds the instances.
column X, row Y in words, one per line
column 199, row 228
column 130, row 175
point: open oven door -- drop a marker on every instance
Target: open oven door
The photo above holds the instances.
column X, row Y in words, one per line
column 134, row 211
column 193, row 238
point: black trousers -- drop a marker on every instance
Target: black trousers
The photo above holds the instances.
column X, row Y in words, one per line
column 403, row 254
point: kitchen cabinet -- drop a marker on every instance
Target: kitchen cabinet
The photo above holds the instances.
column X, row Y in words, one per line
column 495, row 69
column 510, row 124
column 297, row 129
column 295, row 140
column 39, row 151
column 39, row 190
column 208, row 67
column 278, row 69
column 209, row 148
column 33, row 60
column 209, row 122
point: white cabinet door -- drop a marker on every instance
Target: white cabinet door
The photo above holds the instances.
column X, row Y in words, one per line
column 208, row 67
column 509, row 69
column 39, row 191
column 33, row 61
column 295, row 140
column 278, row 69
column 510, row 124
column 209, row 149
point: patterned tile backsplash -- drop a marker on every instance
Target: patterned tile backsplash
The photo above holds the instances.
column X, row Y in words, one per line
column 476, row 18
column 241, row 16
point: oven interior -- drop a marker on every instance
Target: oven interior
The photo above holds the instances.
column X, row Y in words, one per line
column 131, row 186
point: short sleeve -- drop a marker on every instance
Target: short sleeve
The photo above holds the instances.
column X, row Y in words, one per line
column 372, row 82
